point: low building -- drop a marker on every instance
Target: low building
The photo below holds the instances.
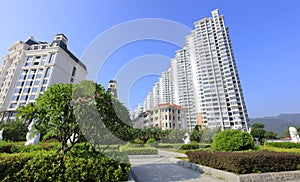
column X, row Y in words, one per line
column 165, row 116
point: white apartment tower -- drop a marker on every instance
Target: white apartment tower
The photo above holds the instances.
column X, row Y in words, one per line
column 183, row 86
column 218, row 90
column 203, row 78
column 30, row 67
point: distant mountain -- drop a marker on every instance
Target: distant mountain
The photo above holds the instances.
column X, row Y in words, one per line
column 278, row 123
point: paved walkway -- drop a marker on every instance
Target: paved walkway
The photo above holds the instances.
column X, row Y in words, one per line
column 159, row 169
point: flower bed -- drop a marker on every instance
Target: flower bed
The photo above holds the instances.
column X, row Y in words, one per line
column 246, row 162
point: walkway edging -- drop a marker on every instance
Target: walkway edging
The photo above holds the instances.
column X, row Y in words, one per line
column 231, row 177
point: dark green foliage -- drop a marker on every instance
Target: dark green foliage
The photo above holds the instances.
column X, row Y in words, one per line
column 246, row 162
column 271, row 135
column 189, row 146
column 77, row 165
column 257, row 131
column 233, row 140
column 14, row 130
column 286, row 145
column 12, row 147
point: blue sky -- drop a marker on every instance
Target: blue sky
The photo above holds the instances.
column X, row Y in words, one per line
column 264, row 34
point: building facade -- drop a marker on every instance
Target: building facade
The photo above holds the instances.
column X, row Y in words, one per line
column 165, row 116
column 204, row 79
column 32, row 66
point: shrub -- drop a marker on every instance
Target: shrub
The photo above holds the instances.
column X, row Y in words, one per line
column 189, row 146
column 246, row 162
column 138, row 151
column 151, row 141
column 138, row 141
column 169, row 145
column 233, row 140
column 13, row 147
column 49, row 166
column 286, row 145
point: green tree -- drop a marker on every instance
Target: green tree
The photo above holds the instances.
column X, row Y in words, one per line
column 53, row 113
column 271, row 135
column 14, row 130
column 196, row 134
column 257, row 131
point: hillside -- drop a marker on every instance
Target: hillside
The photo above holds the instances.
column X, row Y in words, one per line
column 278, row 123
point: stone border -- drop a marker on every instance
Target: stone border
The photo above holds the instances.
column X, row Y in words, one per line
column 231, row 177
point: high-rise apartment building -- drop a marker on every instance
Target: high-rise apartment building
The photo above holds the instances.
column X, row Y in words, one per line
column 205, row 79
column 218, row 91
column 30, row 67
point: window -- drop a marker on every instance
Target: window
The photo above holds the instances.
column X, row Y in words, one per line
column 26, row 90
column 45, row 81
column 38, row 75
column 13, row 105
column 72, row 80
column 15, row 98
column 43, row 89
column 36, row 82
column 20, row 83
column 47, row 74
column 34, row 89
column 51, row 59
column 28, row 83
column 32, row 97
column 22, row 77
column 74, row 71
column 24, row 97
column 18, row 90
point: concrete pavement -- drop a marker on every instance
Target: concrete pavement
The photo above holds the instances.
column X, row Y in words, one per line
column 159, row 169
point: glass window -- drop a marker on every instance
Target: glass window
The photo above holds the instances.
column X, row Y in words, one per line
column 39, row 75
column 22, row 77
column 28, row 83
column 15, row 98
column 13, row 105
column 24, row 97
column 32, row 97
column 26, row 90
column 45, row 81
column 51, row 59
column 18, row 90
column 74, row 71
column 34, row 89
column 43, row 89
column 20, row 83
column 47, row 74
column 31, row 76
column 36, row 82
column 22, row 104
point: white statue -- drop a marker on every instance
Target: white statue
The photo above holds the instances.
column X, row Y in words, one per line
column 1, row 133
column 186, row 138
column 73, row 138
column 294, row 135
column 31, row 136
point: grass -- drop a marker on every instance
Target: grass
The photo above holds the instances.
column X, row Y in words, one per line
column 275, row 149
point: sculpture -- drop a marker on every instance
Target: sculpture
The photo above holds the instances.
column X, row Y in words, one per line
column 32, row 137
column 294, row 135
column 1, row 133
column 73, row 138
column 186, row 138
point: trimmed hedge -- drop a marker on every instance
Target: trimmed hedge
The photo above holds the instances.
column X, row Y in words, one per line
column 286, row 145
column 246, row 162
column 138, row 151
column 18, row 147
column 190, row 146
column 49, row 166
column 168, row 145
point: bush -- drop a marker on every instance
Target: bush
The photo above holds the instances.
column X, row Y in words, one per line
column 169, row 145
column 246, row 162
column 233, row 140
column 49, row 166
column 138, row 151
column 19, row 147
column 151, row 141
column 138, row 141
column 189, row 146
column 286, row 145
